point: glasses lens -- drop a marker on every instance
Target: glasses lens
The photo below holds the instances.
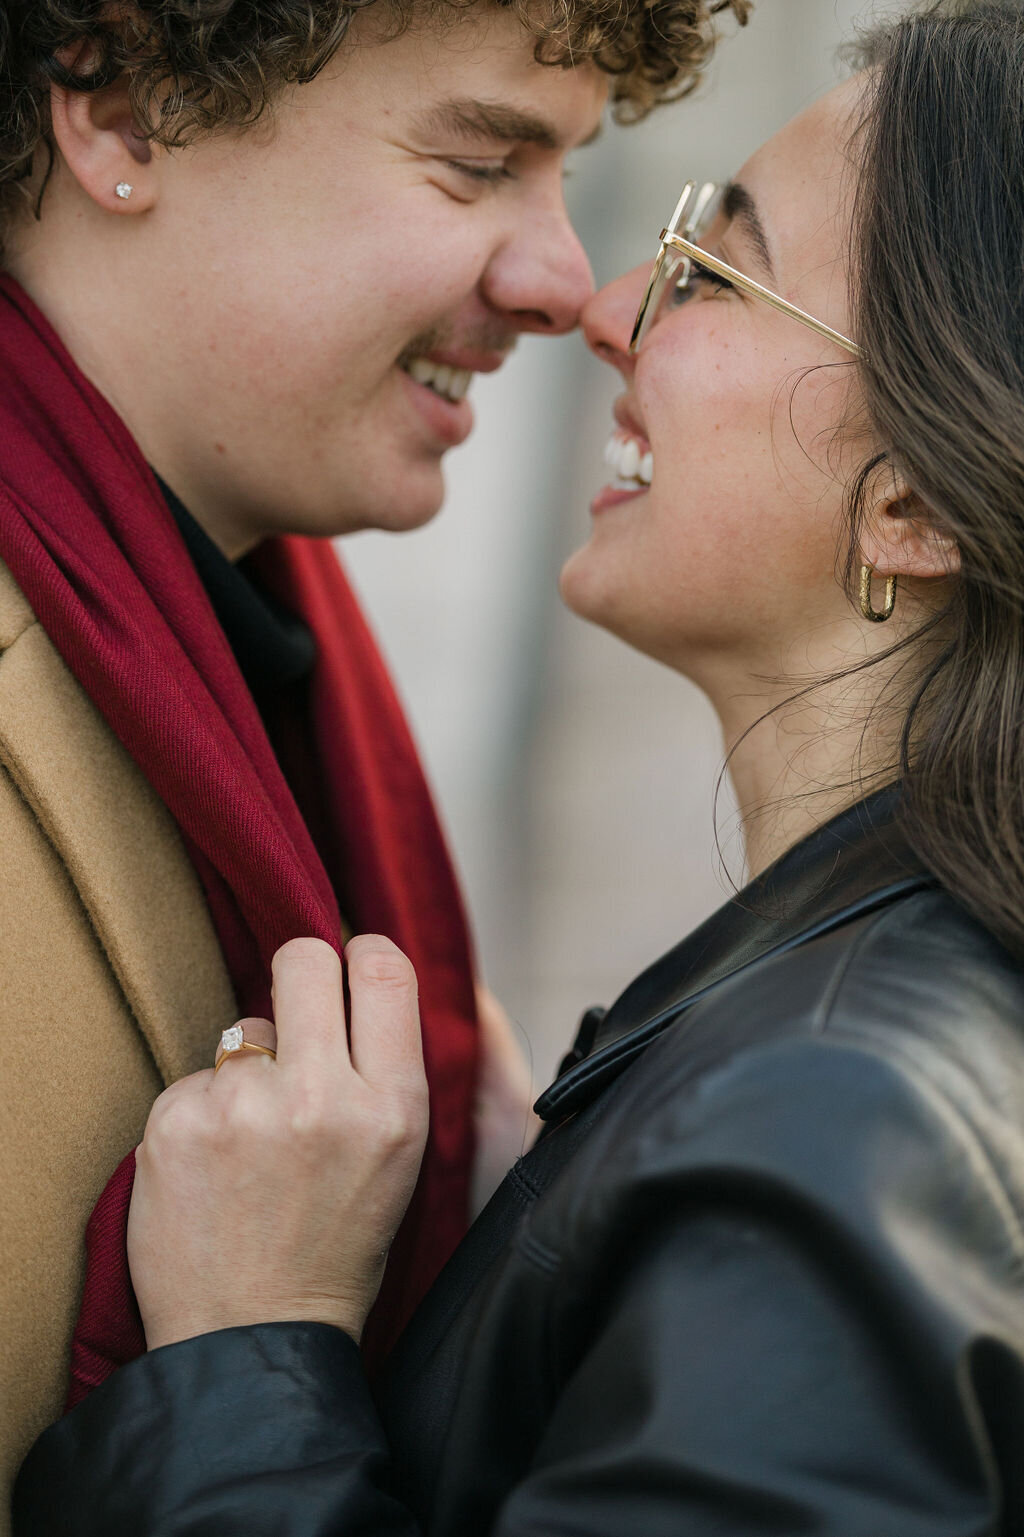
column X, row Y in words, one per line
column 651, row 301
column 693, row 213
column 701, row 212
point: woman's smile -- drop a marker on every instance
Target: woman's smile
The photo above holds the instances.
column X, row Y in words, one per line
column 628, row 452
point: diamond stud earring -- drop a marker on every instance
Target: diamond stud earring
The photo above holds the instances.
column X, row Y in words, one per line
column 124, row 189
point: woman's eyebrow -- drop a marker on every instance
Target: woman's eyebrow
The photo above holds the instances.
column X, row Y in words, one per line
column 738, row 204
column 488, row 122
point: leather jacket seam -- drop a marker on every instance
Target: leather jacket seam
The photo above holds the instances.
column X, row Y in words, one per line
column 987, row 1171
column 830, row 996
column 915, row 1070
column 519, row 1177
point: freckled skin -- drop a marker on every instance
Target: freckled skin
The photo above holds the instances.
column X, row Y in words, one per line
column 731, row 553
column 728, row 568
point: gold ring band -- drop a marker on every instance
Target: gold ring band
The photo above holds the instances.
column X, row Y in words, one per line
column 233, row 1044
column 245, row 1046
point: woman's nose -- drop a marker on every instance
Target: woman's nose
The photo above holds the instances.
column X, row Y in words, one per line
column 608, row 318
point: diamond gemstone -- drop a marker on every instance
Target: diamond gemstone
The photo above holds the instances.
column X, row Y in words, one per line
column 124, row 189
column 233, row 1039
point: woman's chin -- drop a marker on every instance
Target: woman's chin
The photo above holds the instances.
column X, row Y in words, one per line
column 602, row 580
column 580, row 587
column 592, row 589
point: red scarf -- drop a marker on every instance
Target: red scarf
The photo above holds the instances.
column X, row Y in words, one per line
column 94, row 548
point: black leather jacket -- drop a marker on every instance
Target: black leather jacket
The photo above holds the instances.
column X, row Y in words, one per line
column 764, row 1274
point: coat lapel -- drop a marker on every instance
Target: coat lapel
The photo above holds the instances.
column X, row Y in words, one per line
column 120, row 845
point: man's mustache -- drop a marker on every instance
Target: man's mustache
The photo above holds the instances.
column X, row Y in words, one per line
column 487, row 339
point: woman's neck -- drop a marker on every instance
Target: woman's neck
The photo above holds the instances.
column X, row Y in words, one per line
column 799, row 755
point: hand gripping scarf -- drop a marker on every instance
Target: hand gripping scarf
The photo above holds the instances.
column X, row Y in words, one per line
column 90, row 541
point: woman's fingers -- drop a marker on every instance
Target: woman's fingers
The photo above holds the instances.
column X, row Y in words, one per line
column 387, row 1046
column 309, row 1033
column 309, row 1009
column 279, row 1193
column 277, row 1196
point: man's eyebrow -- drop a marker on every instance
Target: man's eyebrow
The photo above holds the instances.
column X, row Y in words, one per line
column 491, row 122
column 738, row 204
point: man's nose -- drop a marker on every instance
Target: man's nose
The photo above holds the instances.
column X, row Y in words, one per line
column 609, row 315
column 541, row 279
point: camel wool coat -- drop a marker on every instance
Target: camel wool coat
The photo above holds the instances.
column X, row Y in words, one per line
column 112, row 985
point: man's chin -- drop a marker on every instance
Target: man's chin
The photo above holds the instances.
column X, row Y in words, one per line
column 411, row 508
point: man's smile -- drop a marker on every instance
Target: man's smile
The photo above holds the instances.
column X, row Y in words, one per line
column 446, row 374
column 447, row 414
column 450, row 383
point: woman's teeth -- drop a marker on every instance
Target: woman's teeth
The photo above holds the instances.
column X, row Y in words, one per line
column 452, row 383
column 629, row 461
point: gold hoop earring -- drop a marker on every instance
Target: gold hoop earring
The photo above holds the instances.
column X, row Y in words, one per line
column 877, row 616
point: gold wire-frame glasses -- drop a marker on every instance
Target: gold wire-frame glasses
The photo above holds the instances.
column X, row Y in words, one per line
column 678, row 255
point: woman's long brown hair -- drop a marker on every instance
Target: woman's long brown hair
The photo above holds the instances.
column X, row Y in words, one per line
column 938, row 277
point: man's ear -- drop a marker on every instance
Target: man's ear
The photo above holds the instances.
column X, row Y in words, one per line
column 898, row 537
column 99, row 142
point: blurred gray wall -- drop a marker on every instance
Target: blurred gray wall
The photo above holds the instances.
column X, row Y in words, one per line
column 576, row 779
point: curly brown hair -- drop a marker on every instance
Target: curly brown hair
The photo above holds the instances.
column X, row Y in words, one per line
column 196, row 66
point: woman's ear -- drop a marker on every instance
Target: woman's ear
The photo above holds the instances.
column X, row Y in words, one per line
column 899, row 537
column 99, row 142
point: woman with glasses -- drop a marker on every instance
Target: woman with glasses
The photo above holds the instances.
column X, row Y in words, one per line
column 763, row 1271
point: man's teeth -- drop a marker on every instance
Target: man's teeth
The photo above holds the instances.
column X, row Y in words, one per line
column 452, row 383
column 629, row 461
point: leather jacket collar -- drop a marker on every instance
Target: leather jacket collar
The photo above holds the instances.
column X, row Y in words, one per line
column 857, row 862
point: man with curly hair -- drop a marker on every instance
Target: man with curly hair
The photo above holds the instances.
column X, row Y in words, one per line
column 253, row 255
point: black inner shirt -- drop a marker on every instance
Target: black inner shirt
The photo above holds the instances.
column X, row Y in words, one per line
column 272, row 646
column 276, row 653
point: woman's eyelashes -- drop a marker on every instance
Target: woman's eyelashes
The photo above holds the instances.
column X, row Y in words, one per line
column 697, row 280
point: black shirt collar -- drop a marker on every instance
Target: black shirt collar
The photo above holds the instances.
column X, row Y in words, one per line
column 272, row 646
